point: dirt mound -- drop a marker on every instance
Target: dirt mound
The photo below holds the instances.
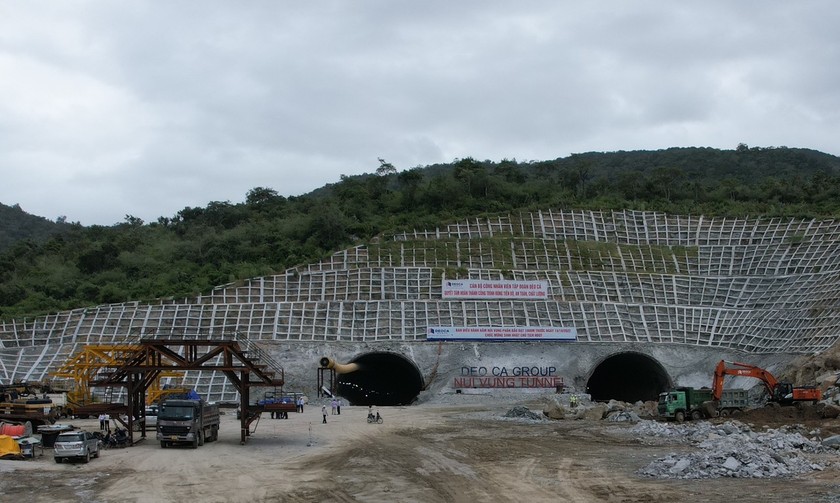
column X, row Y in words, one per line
column 807, row 415
column 775, row 414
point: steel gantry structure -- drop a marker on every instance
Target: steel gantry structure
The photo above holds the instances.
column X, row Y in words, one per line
column 84, row 366
column 245, row 368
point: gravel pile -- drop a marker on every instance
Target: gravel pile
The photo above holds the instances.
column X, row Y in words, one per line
column 688, row 433
column 520, row 412
column 623, row 416
column 732, row 449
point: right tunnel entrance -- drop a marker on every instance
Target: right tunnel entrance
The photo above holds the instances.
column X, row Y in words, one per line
column 628, row 377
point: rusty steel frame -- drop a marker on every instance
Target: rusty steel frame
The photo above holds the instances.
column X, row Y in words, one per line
column 153, row 356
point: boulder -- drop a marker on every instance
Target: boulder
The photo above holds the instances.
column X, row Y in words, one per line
column 594, row 413
column 830, row 411
column 833, row 441
column 619, row 416
column 553, row 409
column 731, row 464
column 615, row 405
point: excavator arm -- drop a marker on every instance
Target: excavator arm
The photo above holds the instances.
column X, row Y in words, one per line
column 741, row 369
column 780, row 392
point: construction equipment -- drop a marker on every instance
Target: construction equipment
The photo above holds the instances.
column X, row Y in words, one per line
column 85, row 367
column 327, row 384
column 36, row 411
column 783, row 393
column 340, row 368
column 684, row 403
column 187, row 422
column 278, row 403
column 22, row 401
column 21, row 388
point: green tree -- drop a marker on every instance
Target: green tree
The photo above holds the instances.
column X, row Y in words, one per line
column 385, row 168
column 329, row 227
column 100, row 258
column 510, row 172
column 472, row 175
column 410, row 181
column 583, row 172
column 666, row 179
column 631, row 184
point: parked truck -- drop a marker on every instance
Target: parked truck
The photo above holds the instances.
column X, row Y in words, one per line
column 187, row 421
column 690, row 403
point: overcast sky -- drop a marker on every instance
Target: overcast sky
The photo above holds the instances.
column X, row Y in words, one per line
column 115, row 108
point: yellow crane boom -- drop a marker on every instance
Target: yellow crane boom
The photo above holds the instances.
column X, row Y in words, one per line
column 84, row 367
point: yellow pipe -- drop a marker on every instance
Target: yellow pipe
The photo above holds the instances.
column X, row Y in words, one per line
column 340, row 368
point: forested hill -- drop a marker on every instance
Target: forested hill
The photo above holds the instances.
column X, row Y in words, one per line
column 198, row 248
column 16, row 225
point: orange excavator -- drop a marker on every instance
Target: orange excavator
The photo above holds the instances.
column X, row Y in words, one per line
column 783, row 393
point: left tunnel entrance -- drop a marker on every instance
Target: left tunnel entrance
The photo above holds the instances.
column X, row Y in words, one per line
column 381, row 379
column 628, row 377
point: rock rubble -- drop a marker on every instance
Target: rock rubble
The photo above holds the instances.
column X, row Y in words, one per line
column 733, row 449
column 520, row 412
column 560, row 406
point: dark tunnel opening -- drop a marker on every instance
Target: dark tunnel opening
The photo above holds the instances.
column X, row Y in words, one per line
column 628, row 377
column 382, row 379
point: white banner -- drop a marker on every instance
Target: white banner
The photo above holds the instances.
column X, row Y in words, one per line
column 501, row 334
column 500, row 289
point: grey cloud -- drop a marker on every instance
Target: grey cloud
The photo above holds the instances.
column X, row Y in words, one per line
column 144, row 108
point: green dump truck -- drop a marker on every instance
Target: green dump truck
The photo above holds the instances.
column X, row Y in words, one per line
column 684, row 403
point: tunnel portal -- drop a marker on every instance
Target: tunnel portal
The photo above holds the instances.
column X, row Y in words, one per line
column 382, row 379
column 628, row 377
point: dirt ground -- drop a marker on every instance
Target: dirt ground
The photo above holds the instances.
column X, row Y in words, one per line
column 425, row 453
